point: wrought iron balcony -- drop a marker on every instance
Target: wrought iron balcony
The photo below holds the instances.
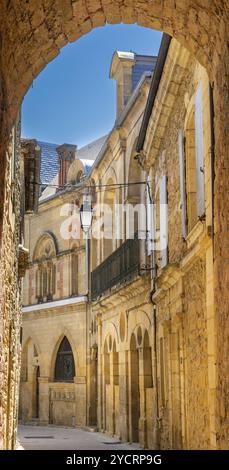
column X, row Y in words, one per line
column 119, row 267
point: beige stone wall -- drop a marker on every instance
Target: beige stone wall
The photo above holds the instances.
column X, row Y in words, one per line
column 59, row 403
column 195, row 333
column 54, row 217
column 10, row 312
column 183, row 300
column 45, row 325
column 121, row 320
column 126, row 391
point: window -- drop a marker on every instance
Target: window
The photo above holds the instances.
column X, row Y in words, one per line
column 157, row 227
column 191, row 157
column 65, row 366
column 160, row 223
column 79, row 176
column 45, row 281
column 44, row 255
column 190, row 153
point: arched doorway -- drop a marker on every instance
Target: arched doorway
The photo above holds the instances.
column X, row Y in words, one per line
column 62, row 407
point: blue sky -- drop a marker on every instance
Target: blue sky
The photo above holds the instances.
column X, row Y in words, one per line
column 73, row 99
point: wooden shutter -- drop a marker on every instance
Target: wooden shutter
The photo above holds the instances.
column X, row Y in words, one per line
column 182, row 183
column 163, row 221
column 199, row 152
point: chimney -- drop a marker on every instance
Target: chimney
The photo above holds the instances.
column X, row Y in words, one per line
column 67, row 154
column 127, row 68
column 121, row 71
column 31, row 153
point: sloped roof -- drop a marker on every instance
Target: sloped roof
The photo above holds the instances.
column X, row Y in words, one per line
column 91, row 150
column 50, row 160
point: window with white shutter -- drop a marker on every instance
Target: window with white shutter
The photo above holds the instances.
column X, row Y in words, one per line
column 163, row 221
column 181, row 144
column 149, row 215
column 190, row 171
column 199, row 152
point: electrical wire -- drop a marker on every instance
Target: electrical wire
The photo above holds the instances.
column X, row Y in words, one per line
column 95, row 188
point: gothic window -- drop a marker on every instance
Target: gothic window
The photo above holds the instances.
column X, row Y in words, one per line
column 65, row 366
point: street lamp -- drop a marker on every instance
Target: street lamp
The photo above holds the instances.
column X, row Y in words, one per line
column 86, row 213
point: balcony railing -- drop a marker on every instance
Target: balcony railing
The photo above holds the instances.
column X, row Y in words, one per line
column 119, row 267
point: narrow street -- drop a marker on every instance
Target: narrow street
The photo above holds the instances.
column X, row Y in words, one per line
column 60, row 438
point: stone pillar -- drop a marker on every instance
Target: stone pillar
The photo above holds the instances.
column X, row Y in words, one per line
column 142, row 420
column 112, row 392
column 44, row 400
column 100, row 376
column 92, row 392
column 123, row 396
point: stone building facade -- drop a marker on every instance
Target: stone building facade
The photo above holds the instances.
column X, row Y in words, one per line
column 121, row 322
column 55, row 310
column 22, row 197
column 156, row 337
column 177, row 153
column 30, row 38
column 143, row 340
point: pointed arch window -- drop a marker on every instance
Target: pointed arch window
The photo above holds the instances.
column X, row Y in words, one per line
column 65, row 365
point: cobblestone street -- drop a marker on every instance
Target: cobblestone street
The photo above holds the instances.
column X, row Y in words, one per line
column 60, row 438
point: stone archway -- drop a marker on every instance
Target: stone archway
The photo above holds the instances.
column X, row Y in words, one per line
column 32, row 34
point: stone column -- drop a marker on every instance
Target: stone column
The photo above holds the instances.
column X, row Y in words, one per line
column 123, row 396
column 100, row 376
column 44, row 400
column 142, row 420
column 112, row 392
